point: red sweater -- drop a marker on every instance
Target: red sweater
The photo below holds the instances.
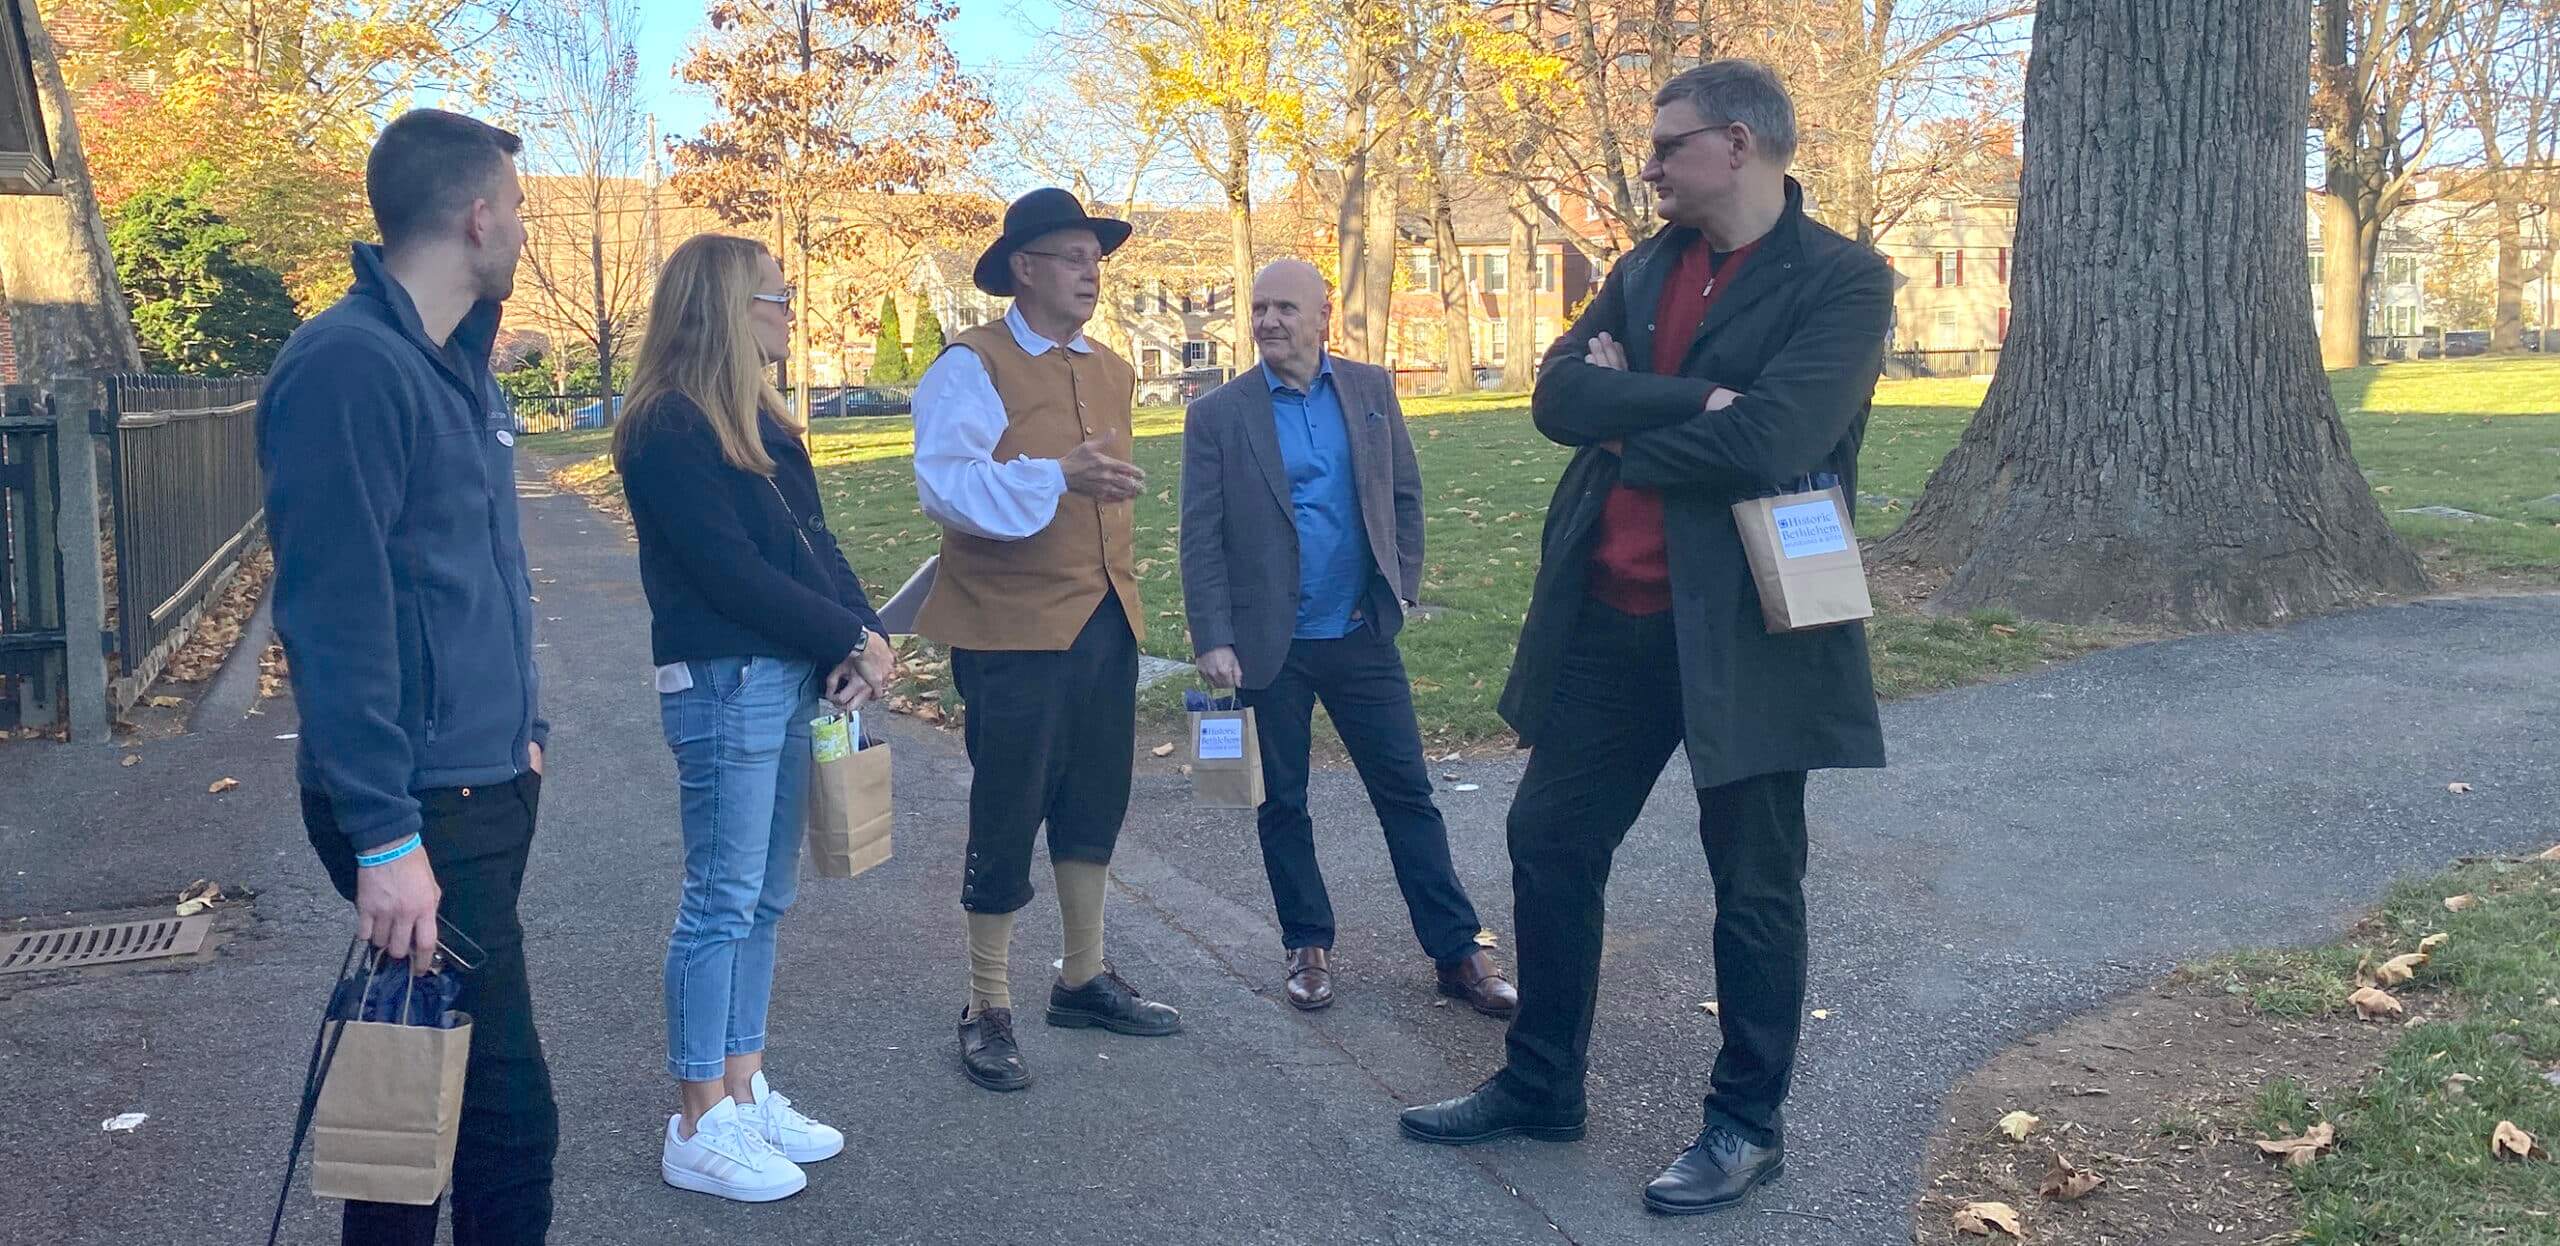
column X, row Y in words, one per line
column 1630, row 570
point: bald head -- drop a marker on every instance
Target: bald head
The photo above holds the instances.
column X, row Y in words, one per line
column 1292, row 312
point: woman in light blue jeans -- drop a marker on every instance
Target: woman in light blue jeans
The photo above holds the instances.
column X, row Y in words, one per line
column 755, row 619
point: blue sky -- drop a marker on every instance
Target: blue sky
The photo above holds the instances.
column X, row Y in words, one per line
column 988, row 35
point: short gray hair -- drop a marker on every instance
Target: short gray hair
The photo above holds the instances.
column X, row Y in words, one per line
column 1749, row 92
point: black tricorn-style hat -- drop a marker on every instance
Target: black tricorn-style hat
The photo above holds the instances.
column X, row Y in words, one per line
column 1042, row 211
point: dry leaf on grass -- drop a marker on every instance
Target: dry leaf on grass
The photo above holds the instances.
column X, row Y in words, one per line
column 221, row 785
column 2551, row 853
column 2433, row 941
column 2067, row 1183
column 2299, row 1152
column 2399, row 968
column 2509, row 1142
column 1163, row 750
column 2458, row 789
column 2373, row 1003
column 1979, row 1219
column 2455, row 904
column 2454, row 1082
column 2019, row 1124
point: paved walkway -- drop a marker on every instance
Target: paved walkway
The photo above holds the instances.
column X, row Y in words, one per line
column 2037, row 846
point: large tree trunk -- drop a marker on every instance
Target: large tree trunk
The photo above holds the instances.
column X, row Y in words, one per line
column 2159, row 444
column 1239, row 188
column 1458, row 361
column 67, row 314
column 1520, row 294
column 2506, row 328
column 1351, row 215
column 1386, row 248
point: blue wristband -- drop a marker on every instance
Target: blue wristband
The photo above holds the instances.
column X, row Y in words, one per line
column 390, row 854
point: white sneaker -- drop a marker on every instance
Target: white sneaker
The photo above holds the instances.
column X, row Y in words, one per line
column 801, row 1140
column 728, row 1157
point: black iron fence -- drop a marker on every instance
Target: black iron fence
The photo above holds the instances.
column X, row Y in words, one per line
column 31, row 626
column 1904, row 365
column 564, row 412
column 183, row 474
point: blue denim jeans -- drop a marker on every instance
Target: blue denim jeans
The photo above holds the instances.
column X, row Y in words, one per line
column 741, row 740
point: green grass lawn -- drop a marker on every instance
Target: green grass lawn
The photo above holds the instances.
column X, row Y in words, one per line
column 2413, row 1161
column 2477, row 435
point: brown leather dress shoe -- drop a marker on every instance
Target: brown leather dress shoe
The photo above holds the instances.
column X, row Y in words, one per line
column 1310, row 979
column 1476, row 981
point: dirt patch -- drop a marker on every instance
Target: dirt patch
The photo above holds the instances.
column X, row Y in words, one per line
column 2159, row 1093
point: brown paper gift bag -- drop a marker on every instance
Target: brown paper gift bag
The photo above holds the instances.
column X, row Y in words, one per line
column 389, row 1112
column 1804, row 558
column 851, row 805
column 1226, row 759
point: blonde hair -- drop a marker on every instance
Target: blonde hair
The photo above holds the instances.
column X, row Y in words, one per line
column 700, row 345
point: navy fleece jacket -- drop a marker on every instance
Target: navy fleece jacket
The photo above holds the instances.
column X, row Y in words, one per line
column 401, row 590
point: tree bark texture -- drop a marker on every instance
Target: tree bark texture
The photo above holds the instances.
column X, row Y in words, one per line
column 2160, row 444
column 67, row 313
column 1520, row 294
column 1386, row 249
column 1351, row 215
column 1239, row 188
column 1458, row 360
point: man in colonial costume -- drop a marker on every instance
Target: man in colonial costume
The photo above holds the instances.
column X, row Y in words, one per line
column 1022, row 439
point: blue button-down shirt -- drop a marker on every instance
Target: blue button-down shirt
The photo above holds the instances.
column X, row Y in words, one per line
column 1324, row 500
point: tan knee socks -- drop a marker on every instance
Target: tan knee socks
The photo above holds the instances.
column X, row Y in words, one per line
column 990, row 946
column 1080, row 913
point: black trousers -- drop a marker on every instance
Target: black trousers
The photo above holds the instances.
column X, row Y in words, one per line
column 1051, row 734
column 476, row 839
column 1614, row 724
column 1361, row 680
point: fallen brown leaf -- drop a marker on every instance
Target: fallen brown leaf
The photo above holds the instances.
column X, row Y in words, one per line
column 2298, row 1152
column 2433, row 941
column 221, row 785
column 2399, row 968
column 1979, row 1219
column 2003, row 629
column 1163, row 750
column 2455, row 904
column 2509, row 1142
column 1712, row 1008
column 164, row 703
column 2373, row 1003
column 2458, row 789
column 1486, row 938
column 2067, row 1183
column 131, row 759
column 2551, row 853
column 2019, row 1124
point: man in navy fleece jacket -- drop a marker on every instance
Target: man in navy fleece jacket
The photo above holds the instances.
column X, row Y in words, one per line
column 405, row 608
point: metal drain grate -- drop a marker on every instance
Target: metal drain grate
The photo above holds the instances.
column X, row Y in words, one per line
column 146, row 939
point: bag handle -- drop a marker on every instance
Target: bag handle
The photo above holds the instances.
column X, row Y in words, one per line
column 315, row 1074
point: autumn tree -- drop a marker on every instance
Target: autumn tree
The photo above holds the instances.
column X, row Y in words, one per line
column 575, row 98
column 283, row 97
column 2160, row 444
column 1209, row 73
column 831, row 117
column 2378, row 99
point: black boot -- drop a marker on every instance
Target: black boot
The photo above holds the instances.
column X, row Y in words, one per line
column 1110, row 1002
column 1492, row 1111
column 987, row 1051
column 1715, row 1173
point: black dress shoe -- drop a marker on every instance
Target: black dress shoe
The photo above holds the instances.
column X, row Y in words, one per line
column 1715, row 1173
column 987, row 1051
column 1110, row 1002
column 1492, row 1111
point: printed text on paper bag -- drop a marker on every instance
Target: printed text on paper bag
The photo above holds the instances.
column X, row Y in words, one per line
column 1809, row 528
column 1221, row 738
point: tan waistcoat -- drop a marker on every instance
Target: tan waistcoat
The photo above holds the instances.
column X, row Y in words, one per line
column 1038, row 592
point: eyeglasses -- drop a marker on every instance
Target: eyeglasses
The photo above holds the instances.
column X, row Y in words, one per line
column 782, row 300
column 1073, row 260
column 1668, row 146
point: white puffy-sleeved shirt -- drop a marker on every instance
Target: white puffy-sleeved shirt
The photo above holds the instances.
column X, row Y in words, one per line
column 959, row 418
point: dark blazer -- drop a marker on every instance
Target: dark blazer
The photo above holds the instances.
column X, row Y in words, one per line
column 1239, row 533
column 1800, row 334
column 730, row 567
